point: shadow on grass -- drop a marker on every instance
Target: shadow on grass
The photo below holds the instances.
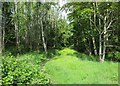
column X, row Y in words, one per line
column 83, row 56
column 52, row 53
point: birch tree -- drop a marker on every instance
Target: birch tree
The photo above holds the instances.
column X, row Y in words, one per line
column 16, row 26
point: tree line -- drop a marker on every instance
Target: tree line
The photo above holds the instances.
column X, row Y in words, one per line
column 93, row 27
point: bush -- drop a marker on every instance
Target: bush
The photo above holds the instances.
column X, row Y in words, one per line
column 33, row 58
column 16, row 71
column 67, row 51
column 114, row 55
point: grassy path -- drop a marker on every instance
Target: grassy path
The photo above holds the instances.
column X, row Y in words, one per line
column 71, row 70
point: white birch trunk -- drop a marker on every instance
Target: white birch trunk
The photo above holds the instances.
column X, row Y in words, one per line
column 104, row 38
column 43, row 37
column 100, row 47
column 16, row 29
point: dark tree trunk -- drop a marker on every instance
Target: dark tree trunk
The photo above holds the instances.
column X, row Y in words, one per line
column 0, row 28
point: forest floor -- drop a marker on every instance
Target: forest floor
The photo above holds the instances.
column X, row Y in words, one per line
column 68, row 69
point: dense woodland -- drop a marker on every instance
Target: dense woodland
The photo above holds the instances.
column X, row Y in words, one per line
column 91, row 28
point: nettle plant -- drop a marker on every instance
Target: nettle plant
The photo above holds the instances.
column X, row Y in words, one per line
column 15, row 71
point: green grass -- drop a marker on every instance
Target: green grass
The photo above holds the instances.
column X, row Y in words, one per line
column 71, row 67
column 0, row 70
column 68, row 69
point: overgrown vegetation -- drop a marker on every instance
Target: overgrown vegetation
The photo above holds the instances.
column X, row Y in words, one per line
column 23, row 70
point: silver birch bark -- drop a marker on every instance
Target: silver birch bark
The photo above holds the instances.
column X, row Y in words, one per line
column 43, row 37
column 16, row 28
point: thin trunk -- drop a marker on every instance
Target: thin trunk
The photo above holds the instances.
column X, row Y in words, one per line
column 0, row 29
column 104, row 49
column 27, row 28
column 40, row 25
column 94, row 45
column 30, row 30
column 100, row 41
column 100, row 47
column 104, row 39
column 89, row 47
column 93, row 38
column 46, row 29
column 3, row 29
column 38, row 44
column 55, row 41
column 0, row 39
column 16, row 30
column 3, row 37
column 26, row 39
column 90, row 51
column 43, row 37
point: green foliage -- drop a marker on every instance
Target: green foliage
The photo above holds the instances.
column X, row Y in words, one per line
column 117, row 54
column 67, row 51
column 33, row 58
column 86, row 18
column 85, row 13
column 114, row 55
column 71, row 70
column 64, row 32
column 71, row 52
column 19, row 70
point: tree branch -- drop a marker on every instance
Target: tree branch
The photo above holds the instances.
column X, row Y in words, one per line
column 94, row 24
column 109, row 24
column 111, row 46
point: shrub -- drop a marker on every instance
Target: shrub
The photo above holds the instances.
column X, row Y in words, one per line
column 33, row 58
column 16, row 71
column 114, row 55
column 67, row 51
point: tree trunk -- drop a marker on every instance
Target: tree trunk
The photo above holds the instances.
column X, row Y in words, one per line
column 0, row 40
column 104, row 39
column 26, row 31
column 88, row 47
column 100, row 41
column 100, row 47
column 93, row 38
column 3, row 36
column 43, row 37
column 3, row 28
column 16, row 30
column 94, row 45
column 0, row 28
column 104, row 49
